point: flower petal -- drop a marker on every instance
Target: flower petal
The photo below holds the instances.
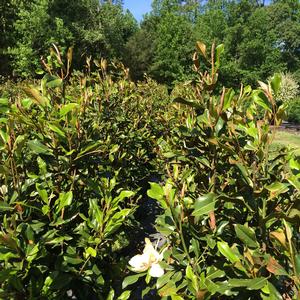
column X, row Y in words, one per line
column 140, row 263
column 148, row 246
column 156, row 271
column 149, row 250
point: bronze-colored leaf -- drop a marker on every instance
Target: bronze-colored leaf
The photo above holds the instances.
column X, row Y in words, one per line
column 196, row 61
column 35, row 95
column 275, row 268
column 201, row 294
column 279, row 236
column 202, row 48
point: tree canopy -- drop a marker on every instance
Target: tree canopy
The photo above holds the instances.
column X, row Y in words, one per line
column 259, row 38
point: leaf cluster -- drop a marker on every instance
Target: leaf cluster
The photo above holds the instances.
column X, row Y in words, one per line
column 76, row 149
column 231, row 203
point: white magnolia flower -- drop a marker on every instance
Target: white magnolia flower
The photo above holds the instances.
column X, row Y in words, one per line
column 148, row 260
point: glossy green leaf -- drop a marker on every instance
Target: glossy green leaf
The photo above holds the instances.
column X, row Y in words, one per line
column 91, row 148
column 250, row 284
column 220, row 288
column 116, row 221
column 271, row 291
column 294, row 164
column 168, row 290
column 219, row 126
column 228, row 98
column 190, row 103
column 4, row 136
column 67, row 108
column 213, row 273
column 277, row 188
column 57, row 130
column 42, row 193
column 3, row 102
column 123, row 195
column 26, row 103
column 295, row 181
column 65, row 199
column 260, row 99
column 129, row 280
column 111, row 295
column 54, row 83
column 58, row 240
column 125, row 295
column 91, row 252
column 192, row 277
column 227, row 252
column 38, row 148
column 276, row 83
column 73, row 260
column 95, row 214
column 204, row 204
column 156, row 191
column 161, row 281
column 245, row 173
column 32, row 253
column 246, row 235
column 219, row 51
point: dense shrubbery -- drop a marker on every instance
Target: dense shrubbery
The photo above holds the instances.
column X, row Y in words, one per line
column 73, row 158
column 260, row 37
column 77, row 152
column 231, row 206
column 293, row 111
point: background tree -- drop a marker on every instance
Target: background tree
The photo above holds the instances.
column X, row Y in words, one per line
column 32, row 43
column 260, row 38
column 118, row 26
column 166, row 52
column 93, row 28
column 284, row 19
column 8, row 15
column 140, row 48
column 174, row 48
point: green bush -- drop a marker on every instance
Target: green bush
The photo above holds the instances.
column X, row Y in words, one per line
column 75, row 152
column 231, row 205
column 293, row 112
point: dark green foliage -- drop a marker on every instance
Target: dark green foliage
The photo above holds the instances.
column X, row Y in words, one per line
column 140, row 47
column 118, row 27
column 231, row 204
column 93, row 29
column 285, row 21
column 173, row 49
column 78, row 148
column 260, row 38
column 8, row 15
column 75, row 152
column 293, row 111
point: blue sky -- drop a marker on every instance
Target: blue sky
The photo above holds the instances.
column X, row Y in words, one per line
column 138, row 7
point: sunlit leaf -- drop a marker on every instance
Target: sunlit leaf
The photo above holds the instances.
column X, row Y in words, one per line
column 204, row 204
column 246, row 235
column 250, row 284
column 38, row 148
